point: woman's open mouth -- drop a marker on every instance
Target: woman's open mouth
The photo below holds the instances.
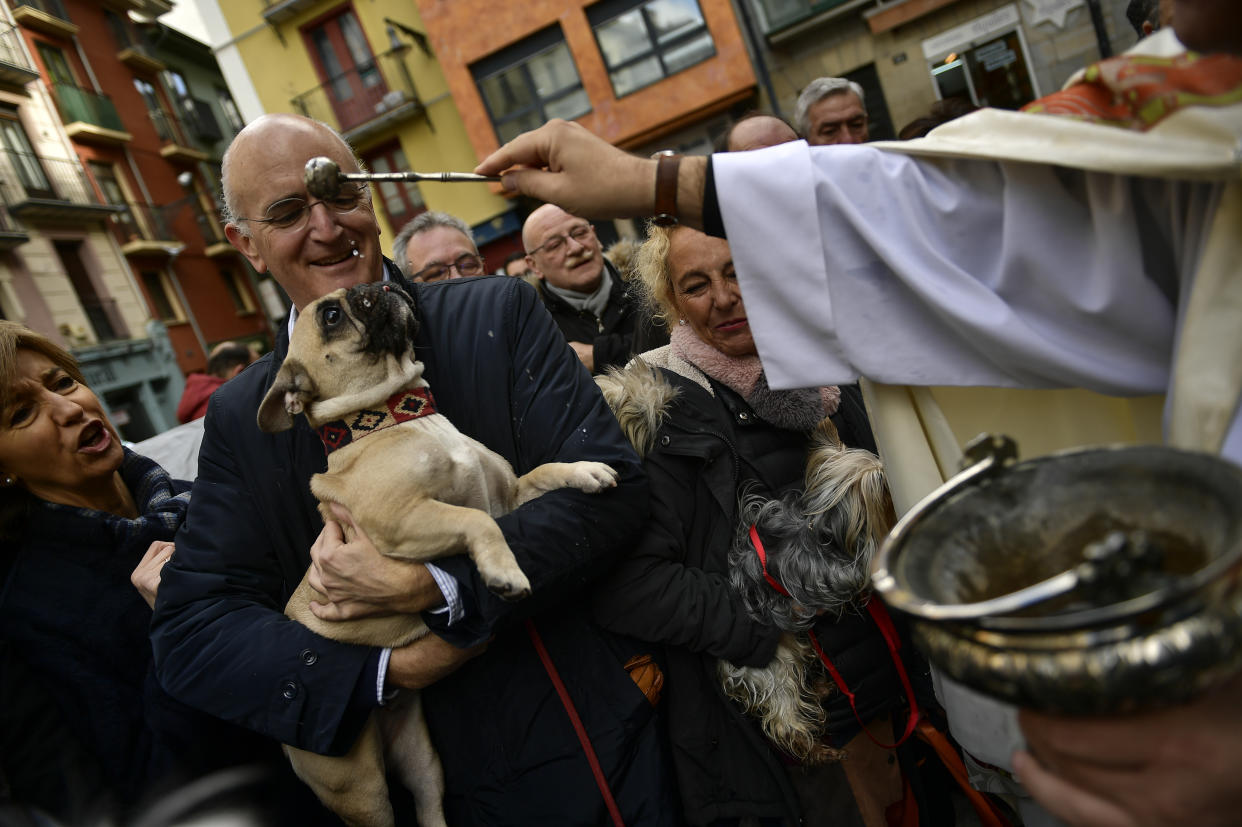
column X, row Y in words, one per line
column 94, row 438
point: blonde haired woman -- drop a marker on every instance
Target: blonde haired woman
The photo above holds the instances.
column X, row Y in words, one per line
column 710, row 429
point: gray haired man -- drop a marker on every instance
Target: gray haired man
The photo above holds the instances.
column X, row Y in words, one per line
column 831, row 111
column 435, row 246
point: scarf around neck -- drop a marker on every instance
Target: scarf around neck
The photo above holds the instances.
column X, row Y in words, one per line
column 800, row 409
column 161, row 504
column 595, row 302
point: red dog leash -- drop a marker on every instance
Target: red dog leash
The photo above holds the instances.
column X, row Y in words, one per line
column 878, row 614
column 613, row 811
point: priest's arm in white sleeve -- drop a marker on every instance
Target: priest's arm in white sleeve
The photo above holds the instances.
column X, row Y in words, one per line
column 855, row 261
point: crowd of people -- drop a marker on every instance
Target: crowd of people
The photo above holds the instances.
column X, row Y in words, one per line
column 144, row 645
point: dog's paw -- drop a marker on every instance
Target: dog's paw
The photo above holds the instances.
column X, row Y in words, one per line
column 592, row 477
column 508, row 585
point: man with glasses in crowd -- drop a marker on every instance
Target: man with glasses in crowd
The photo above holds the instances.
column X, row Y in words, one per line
column 436, row 246
column 499, row 371
column 603, row 317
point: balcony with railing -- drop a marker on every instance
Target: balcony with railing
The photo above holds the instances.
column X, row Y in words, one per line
column 90, row 117
column 11, row 235
column 366, row 98
column 134, row 53
column 143, row 230
column 176, row 147
column 278, row 11
column 213, row 235
column 15, row 69
column 201, row 121
column 46, row 16
column 150, row 8
column 49, row 189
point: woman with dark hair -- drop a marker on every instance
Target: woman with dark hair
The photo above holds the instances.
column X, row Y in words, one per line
column 85, row 527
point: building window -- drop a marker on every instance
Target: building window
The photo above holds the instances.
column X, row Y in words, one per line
column 97, row 306
column 229, row 107
column 347, row 68
column 401, row 199
column 237, row 292
column 56, row 64
column 989, row 72
column 529, row 83
column 22, row 155
column 645, row 42
column 125, row 221
column 161, row 297
column 155, row 108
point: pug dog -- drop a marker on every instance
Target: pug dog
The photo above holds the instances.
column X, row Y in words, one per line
column 419, row 488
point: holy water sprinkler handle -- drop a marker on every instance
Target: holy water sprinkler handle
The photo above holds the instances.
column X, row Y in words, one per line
column 323, row 177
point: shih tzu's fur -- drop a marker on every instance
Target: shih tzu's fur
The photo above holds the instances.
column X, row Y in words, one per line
column 819, row 544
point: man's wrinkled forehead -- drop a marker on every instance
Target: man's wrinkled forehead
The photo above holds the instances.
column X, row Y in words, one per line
column 554, row 223
column 269, row 162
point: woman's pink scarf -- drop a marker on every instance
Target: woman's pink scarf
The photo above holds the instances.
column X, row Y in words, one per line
column 796, row 410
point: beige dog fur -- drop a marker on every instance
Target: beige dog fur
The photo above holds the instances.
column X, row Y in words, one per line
column 349, row 352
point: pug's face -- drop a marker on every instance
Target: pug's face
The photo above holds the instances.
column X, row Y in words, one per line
column 342, row 344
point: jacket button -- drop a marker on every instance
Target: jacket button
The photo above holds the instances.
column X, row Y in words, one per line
column 289, row 690
column 745, row 417
column 308, row 657
column 664, row 440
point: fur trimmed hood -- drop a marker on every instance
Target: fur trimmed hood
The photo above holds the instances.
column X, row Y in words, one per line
column 640, row 396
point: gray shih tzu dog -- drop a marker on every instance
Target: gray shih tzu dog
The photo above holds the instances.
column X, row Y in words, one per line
column 814, row 560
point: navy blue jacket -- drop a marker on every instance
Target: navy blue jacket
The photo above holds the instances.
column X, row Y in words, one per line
column 503, row 374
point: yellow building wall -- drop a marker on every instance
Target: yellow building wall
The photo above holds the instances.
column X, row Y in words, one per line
column 280, row 68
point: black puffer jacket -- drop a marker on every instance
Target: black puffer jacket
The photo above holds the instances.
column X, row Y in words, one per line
column 673, row 589
column 626, row 329
column 500, row 372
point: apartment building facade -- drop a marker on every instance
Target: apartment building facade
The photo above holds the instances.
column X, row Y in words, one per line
column 129, row 129
column 62, row 270
column 367, row 68
column 907, row 54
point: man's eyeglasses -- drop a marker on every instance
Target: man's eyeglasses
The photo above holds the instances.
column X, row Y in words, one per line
column 467, row 264
column 294, row 213
column 556, row 243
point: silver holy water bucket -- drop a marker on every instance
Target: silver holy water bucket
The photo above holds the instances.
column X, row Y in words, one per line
column 1092, row 581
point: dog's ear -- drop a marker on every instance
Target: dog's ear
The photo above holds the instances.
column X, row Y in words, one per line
column 289, row 396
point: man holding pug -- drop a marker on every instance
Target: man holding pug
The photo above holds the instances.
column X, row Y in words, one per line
column 603, row 319
column 220, row 638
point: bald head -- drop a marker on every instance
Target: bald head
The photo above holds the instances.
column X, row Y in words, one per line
column 562, row 249
column 309, row 245
column 759, row 131
column 258, row 138
column 536, row 221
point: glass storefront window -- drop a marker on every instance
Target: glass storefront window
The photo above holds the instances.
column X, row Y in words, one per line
column 649, row 42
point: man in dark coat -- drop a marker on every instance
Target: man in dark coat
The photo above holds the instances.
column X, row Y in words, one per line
column 499, row 370
column 604, row 318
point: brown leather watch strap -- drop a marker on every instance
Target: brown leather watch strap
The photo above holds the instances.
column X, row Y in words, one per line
column 667, row 165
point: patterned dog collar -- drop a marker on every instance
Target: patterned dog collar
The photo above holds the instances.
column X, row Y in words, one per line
column 402, row 406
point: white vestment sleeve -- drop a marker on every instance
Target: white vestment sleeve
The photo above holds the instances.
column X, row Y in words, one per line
column 854, row 261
